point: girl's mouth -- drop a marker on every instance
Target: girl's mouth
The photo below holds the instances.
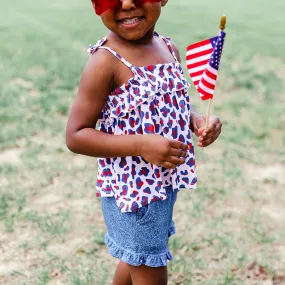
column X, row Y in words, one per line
column 130, row 22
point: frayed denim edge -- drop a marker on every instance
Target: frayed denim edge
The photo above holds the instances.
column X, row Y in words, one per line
column 137, row 259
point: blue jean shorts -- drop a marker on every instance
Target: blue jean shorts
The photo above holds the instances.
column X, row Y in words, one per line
column 140, row 237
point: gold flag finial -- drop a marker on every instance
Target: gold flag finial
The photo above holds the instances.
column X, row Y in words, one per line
column 223, row 22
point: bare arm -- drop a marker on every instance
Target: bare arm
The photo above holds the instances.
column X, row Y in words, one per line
column 81, row 135
column 83, row 138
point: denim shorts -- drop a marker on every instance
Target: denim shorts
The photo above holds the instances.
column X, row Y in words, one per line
column 140, row 237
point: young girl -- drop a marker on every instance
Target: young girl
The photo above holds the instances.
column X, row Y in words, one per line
column 133, row 86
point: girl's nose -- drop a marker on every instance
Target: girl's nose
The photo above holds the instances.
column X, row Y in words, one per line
column 128, row 5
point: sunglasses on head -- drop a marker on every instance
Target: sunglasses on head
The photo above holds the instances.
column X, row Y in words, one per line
column 102, row 6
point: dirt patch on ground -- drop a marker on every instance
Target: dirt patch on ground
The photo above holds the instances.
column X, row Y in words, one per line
column 11, row 156
column 266, row 174
column 22, row 83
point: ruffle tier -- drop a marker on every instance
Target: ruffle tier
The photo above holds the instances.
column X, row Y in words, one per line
column 137, row 259
column 148, row 82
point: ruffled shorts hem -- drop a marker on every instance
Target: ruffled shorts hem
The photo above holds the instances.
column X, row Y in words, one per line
column 137, row 259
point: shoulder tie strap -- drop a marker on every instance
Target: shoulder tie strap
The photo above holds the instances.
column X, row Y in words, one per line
column 168, row 43
column 99, row 45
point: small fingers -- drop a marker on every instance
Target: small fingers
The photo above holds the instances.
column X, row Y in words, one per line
column 213, row 133
column 178, row 152
column 210, row 138
column 176, row 160
column 178, row 145
column 209, row 141
column 212, row 129
column 200, row 131
column 209, row 129
column 173, row 161
column 168, row 165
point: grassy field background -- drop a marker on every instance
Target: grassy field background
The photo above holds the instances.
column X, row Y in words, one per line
column 230, row 230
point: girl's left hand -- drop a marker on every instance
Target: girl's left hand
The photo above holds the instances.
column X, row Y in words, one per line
column 208, row 136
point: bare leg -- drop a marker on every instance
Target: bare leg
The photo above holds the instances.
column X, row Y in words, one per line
column 122, row 275
column 144, row 275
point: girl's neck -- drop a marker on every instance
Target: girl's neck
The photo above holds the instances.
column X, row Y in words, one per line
column 147, row 39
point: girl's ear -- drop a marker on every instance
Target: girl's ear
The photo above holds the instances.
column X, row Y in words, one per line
column 163, row 2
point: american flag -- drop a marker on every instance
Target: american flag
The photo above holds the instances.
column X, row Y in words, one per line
column 203, row 60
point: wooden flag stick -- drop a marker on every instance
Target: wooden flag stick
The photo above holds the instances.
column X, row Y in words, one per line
column 208, row 113
column 222, row 27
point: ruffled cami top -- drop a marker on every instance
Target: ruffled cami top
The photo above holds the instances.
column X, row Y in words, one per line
column 154, row 101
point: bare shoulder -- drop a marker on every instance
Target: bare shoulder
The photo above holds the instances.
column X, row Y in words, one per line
column 98, row 73
column 101, row 61
column 95, row 85
column 176, row 50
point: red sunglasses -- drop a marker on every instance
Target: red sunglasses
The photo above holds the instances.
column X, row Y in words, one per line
column 104, row 5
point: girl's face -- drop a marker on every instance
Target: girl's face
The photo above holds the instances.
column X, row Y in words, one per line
column 130, row 19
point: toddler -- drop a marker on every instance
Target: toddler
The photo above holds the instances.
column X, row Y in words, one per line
column 134, row 88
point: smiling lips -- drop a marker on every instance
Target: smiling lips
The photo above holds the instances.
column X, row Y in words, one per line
column 102, row 6
column 130, row 21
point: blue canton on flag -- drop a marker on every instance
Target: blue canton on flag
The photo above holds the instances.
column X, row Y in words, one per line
column 217, row 43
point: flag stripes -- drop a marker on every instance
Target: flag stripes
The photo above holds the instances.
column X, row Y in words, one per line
column 203, row 59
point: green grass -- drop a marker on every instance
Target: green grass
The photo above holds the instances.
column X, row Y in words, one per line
column 229, row 231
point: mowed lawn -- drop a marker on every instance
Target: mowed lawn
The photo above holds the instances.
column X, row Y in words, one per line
column 229, row 231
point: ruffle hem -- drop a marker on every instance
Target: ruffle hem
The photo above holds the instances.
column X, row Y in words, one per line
column 137, row 259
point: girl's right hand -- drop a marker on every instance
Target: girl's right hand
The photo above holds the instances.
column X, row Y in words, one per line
column 163, row 152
